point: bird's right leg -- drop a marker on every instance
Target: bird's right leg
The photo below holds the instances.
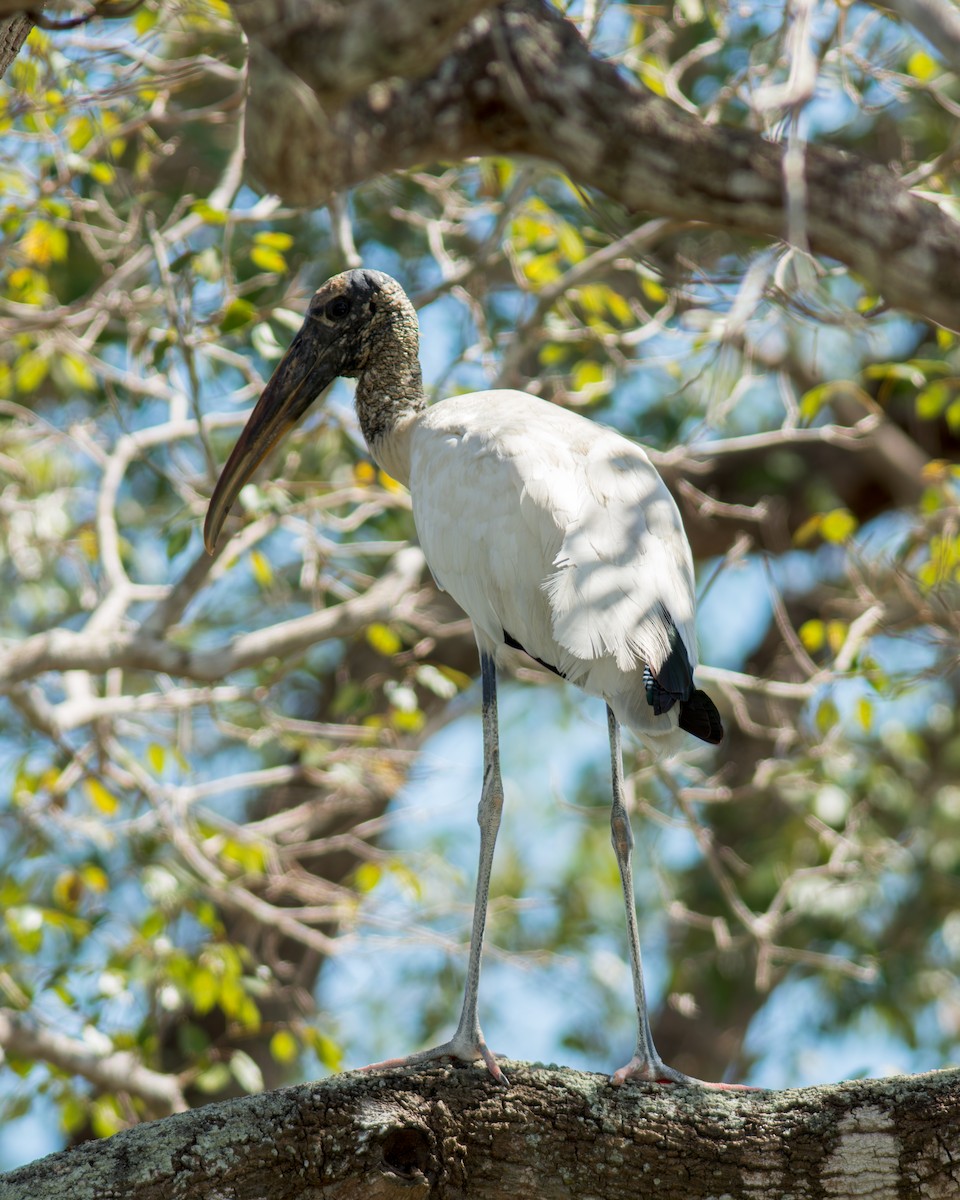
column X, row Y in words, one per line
column 646, row 1062
column 468, row 1043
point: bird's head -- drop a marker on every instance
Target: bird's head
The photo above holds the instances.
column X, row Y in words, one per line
column 346, row 317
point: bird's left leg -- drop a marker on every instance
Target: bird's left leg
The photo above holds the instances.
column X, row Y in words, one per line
column 468, row 1043
column 646, row 1062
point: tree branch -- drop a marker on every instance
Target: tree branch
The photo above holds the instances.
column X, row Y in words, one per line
column 65, row 650
column 13, row 33
column 108, row 1069
column 520, row 80
column 452, row 1132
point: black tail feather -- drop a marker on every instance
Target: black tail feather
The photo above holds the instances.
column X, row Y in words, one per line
column 699, row 716
column 674, row 682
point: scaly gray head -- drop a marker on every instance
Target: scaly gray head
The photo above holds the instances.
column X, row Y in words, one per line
column 358, row 324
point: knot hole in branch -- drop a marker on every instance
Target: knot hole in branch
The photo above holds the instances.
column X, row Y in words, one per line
column 406, row 1153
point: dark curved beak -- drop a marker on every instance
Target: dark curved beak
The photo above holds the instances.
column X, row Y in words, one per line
column 301, row 375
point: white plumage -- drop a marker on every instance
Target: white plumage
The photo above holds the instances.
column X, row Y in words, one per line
column 576, row 548
column 555, row 535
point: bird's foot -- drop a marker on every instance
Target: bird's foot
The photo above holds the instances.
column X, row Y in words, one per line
column 466, row 1049
column 655, row 1070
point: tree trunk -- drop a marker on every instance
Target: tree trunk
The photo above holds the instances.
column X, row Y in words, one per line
column 552, row 1133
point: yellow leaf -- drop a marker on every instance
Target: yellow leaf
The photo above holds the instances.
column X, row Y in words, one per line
column 364, row 473
column 67, row 890
column 388, row 483
column 274, row 239
column 808, row 530
column 268, row 259
column 367, row 876
column 571, row 243
column 100, row 797
column 653, row 290
column 586, row 374
column 29, row 371
column 262, row 571
column 542, row 268
column 620, row 309
column 865, row 712
column 156, row 757
column 283, row 1046
column 144, row 20
column 95, row 877
column 103, row 173
column 836, row 635
column 652, row 75
column 813, row 635
column 88, row 543
column 80, row 131
column 77, row 373
column 838, row 525
column 44, row 244
column 407, row 722
column 383, row 639
column 552, row 354
column 921, row 66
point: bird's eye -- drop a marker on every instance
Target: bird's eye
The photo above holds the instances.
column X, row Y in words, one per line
column 337, row 309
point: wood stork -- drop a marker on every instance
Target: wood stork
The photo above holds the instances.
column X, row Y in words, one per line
column 555, row 535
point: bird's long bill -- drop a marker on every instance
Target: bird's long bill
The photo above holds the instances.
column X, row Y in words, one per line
column 300, row 377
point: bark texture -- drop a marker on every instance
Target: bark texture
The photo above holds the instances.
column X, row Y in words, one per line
column 552, row 1133
column 519, row 80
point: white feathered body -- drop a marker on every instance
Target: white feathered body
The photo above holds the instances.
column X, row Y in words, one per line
column 557, row 533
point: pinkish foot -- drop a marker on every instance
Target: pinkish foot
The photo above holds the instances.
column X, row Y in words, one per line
column 657, row 1071
column 467, row 1050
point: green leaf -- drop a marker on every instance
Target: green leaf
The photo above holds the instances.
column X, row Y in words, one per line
column 209, row 214
column 177, row 540
column 214, row 1079
column 932, row 400
column 827, row 716
column 328, row 1051
column 246, row 1072
column 204, row 988
column 236, row 315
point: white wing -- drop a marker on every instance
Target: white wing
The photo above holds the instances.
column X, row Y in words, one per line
column 557, row 533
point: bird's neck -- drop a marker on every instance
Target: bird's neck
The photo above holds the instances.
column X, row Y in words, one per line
column 389, row 396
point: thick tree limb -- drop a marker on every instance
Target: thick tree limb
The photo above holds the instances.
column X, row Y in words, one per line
column 13, row 33
column 451, row 1132
column 340, row 48
column 520, row 80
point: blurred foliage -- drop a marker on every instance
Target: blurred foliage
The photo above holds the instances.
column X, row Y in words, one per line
column 179, row 851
